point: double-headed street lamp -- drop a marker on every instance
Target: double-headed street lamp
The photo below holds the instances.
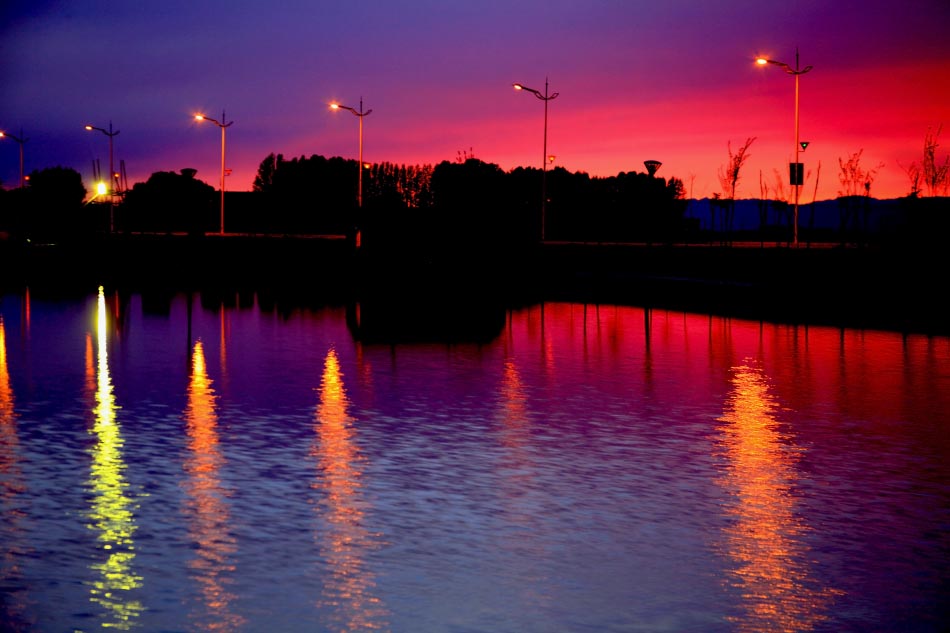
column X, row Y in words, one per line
column 359, row 113
column 21, row 140
column 221, row 124
column 544, row 154
column 796, row 172
column 112, row 178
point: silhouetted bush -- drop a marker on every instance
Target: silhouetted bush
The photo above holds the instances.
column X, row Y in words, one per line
column 168, row 202
column 49, row 209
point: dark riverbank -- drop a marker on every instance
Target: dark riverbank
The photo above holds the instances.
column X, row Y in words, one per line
column 897, row 289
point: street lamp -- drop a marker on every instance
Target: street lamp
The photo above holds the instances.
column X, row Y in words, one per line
column 221, row 124
column 359, row 113
column 544, row 154
column 110, row 134
column 796, row 174
column 21, row 141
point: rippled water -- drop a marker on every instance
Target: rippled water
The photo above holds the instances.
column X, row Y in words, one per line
column 184, row 464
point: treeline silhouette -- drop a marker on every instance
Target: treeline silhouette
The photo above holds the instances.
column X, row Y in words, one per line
column 454, row 207
column 468, row 200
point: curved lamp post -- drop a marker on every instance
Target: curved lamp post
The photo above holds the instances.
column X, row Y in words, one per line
column 544, row 154
column 359, row 113
column 221, row 124
column 21, row 141
column 796, row 72
column 110, row 134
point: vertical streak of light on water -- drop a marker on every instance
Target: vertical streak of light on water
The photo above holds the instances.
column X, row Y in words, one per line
column 344, row 541
column 765, row 539
column 112, row 513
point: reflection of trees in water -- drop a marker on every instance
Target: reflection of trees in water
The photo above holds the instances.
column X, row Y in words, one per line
column 348, row 588
column 207, row 510
column 764, row 538
column 111, row 515
column 12, row 510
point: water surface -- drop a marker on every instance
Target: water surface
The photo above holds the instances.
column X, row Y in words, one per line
column 187, row 464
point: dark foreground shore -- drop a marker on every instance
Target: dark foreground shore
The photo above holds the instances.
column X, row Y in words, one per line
column 897, row 289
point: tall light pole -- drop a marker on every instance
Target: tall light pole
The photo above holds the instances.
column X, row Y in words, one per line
column 221, row 124
column 110, row 134
column 359, row 113
column 21, row 140
column 544, row 154
column 796, row 173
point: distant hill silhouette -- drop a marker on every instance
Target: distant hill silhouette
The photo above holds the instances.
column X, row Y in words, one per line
column 823, row 214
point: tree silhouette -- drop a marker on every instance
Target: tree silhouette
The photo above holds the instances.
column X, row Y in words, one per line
column 169, row 202
column 264, row 180
column 853, row 205
column 50, row 208
column 936, row 175
column 729, row 175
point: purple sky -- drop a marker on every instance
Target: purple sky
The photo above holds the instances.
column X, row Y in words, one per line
column 667, row 80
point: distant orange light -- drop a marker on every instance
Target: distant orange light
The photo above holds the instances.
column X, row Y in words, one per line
column 761, row 61
column 88, row 127
column 199, row 117
column 518, row 86
column 334, row 106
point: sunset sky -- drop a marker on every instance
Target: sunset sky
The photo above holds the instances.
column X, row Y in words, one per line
column 670, row 80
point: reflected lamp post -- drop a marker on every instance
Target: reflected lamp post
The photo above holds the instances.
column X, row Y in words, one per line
column 111, row 134
column 544, row 153
column 796, row 172
column 360, row 114
column 21, row 140
column 221, row 124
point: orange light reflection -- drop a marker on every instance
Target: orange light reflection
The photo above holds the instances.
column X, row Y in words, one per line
column 206, row 507
column 764, row 539
column 345, row 541
column 12, row 486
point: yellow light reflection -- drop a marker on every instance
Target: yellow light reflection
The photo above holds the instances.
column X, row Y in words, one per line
column 12, row 487
column 111, row 514
column 208, row 512
column 764, row 539
column 345, row 542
